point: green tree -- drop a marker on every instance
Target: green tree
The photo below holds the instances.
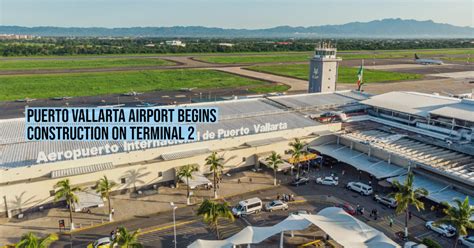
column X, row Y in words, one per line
column 407, row 196
column 30, row 240
column 104, row 186
column 458, row 216
column 67, row 192
column 186, row 172
column 125, row 239
column 273, row 161
column 297, row 151
column 215, row 165
column 211, row 211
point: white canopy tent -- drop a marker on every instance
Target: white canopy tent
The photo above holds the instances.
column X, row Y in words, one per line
column 281, row 167
column 342, row 227
column 87, row 199
column 198, row 179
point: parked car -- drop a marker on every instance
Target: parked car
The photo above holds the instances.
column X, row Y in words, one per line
column 386, row 200
column 276, row 205
column 300, row 181
column 467, row 241
column 360, row 188
column 348, row 208
column 249, row 206
column 100, row 243
column 327, row 181
column 443, row 229
column 411, row 244
column 299, row 212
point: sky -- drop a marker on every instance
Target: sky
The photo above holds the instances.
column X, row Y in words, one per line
column 250, row 14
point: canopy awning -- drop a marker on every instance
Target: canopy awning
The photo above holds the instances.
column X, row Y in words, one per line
column 184, row 154
column 198, row 179
column 379, row 168
column 81, row 170
column 342, row 227
column 437, row 191
column 281, row 167
column 87, row 199
column 303, row 158
column 263, row 142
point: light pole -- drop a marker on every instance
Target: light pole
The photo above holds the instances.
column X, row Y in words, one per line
column 174, row 207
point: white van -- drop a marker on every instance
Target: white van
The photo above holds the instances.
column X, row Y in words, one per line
column 361, row 188
column 249, row 206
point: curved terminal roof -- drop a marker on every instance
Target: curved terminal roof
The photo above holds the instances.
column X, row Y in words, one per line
column 412, row 103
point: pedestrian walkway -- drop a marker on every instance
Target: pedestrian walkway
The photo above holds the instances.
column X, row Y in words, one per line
column 383, row 224
column 128, row 206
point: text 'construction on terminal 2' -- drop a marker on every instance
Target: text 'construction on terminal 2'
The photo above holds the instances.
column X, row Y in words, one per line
column 115, row 124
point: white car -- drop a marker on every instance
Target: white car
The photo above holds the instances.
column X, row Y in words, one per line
column 411, row 244
column 100, row 243
column 276, row 205
column 467, row 241
column 360, row 188
column 327, row 181
column 443, row 229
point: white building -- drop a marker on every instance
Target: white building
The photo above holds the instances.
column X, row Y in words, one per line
column 175, row 43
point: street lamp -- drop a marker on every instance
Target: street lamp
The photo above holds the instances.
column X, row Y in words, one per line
column 174, row 207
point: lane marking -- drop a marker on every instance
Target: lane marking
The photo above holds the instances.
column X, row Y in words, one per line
column 166, row 227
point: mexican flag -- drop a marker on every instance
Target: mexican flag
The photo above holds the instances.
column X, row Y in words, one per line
column 360, row 75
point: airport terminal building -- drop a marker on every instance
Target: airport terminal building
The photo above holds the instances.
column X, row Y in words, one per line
column 385, row 135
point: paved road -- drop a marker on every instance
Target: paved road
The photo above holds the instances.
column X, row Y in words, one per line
column 158, row 232
column 297, row 85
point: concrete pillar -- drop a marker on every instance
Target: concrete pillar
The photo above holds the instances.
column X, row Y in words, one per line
column 352, row 145
column 370, row 150
column 338, row 140
column 281, row 238
column 389, row 158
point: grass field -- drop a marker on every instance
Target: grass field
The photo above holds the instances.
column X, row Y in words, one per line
column 80, row 63
column 88, row 84
column 346, row 74
column 302, row 57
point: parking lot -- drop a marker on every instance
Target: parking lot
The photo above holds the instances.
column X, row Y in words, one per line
column 311, row 197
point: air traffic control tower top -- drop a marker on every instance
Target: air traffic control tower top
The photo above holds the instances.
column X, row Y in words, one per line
column 323, row 69
column 325, row 50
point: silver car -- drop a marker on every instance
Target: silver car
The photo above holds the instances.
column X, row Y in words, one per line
column 467, row 241
column 276, row 205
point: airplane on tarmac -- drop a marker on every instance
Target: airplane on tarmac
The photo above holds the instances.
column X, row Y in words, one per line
column 419, row 60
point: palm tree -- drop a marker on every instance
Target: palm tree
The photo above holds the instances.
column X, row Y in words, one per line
column 125, row 239
column 297, row 150
column 407, row 195
column 104, row 186
column 273, row 161
column 458, row 216
column 68, row 192
column 30, row 240
column 216, row 164
column 211, row 211
column 187, row 172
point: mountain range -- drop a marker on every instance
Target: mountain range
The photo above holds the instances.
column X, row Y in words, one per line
column 386, row 28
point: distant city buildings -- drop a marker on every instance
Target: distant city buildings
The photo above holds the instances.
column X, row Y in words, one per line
column 17, row 37
column 175, row 43
column 226, row 44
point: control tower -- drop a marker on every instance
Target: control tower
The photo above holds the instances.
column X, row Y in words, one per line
column 323, row 69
